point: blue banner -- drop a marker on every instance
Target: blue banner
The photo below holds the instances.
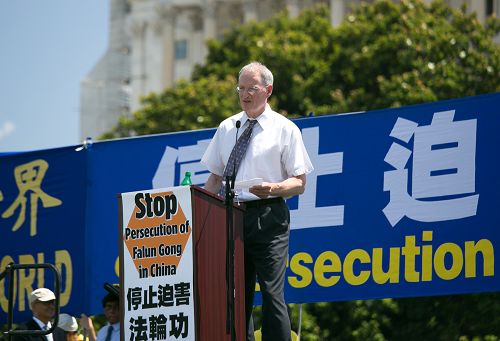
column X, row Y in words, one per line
column 402, row 202
column 42, row 220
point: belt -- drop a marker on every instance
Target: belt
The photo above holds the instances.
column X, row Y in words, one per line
column 263, row 202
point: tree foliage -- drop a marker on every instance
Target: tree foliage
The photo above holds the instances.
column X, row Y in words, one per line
column 187, row 106
column 384, row 55
column 472, row 317
column 400, row 54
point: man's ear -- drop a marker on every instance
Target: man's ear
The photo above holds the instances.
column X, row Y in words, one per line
column 269, row 90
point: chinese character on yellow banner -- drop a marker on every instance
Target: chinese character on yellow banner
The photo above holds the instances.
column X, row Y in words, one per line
column 29, row 178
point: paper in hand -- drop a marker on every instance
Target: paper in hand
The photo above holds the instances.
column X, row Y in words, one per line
column 246, row 184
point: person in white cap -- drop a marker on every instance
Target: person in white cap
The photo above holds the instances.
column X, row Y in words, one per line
column 70, row 326
column 42, row 304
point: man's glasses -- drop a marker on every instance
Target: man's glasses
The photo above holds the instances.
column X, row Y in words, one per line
column 252, row 90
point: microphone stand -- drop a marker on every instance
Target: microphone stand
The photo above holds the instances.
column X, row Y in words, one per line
column 230, row 328
column 230, row 314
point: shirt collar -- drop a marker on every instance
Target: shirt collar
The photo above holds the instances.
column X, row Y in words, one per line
column 116, row 326
column 262, row 119
column 41, row 324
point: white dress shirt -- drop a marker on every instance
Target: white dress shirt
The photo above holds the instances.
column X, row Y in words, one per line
column 275, row 153
column 44, row 326
column 115, row 335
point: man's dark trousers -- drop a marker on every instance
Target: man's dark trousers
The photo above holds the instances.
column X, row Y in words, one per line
column 266, row 231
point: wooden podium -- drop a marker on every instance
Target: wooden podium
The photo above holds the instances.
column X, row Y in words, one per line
column 209, row 248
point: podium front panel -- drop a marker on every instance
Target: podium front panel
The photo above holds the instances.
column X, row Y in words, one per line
column 210, row 236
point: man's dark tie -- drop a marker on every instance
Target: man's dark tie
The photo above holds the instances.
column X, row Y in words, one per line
column 237, row 154
column 47, row 337
column 108, row 334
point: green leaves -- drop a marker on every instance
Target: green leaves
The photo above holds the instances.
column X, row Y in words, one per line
column 187, row 106
column 413, row 53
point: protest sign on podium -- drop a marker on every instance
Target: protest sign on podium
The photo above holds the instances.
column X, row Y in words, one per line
column 173, row 265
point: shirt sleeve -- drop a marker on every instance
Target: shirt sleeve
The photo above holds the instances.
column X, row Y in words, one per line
column 296, row 160
column 212, row 157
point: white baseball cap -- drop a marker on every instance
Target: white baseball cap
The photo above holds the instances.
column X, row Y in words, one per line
column 67, row 323
column 42, row 295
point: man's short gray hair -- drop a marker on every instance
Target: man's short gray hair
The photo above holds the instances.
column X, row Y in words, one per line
column 265, row 74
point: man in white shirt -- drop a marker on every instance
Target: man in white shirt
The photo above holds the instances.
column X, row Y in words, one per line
column 276, row 154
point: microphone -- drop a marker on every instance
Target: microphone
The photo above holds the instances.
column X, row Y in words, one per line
column 233, row 177
column 238, row 125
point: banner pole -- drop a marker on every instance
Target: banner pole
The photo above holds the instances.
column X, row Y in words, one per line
column 300, row 322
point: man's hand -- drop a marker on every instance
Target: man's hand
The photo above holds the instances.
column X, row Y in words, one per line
column 264, row 190
column 290, row 187
column 88, row 327
column 213, row 183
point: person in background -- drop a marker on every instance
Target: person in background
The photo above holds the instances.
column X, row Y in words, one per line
column 269, row 148
column 42, row 304
column 70, row 326
column 111, row 331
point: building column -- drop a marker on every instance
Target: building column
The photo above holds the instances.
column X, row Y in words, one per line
column 154, row 39
column 249, row 10
column 337, row 12
column 293, row 8
column 480, row 8
column 167, row 16
column 138, row 62
column 209, row 20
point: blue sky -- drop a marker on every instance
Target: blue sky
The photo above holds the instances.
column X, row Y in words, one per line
column 46, row 49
